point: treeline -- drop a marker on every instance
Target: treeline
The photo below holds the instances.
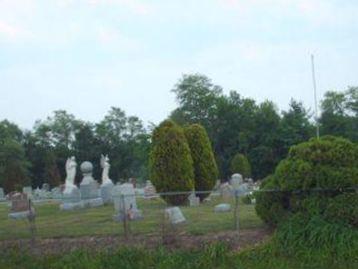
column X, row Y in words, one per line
column 240, row 125
column 38, row 156
column 235, row 124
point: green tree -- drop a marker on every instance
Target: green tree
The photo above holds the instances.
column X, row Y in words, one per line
column 240, row 164
column 339, row 114
column 197, row 97
column 126, row 141
column 171, row 165
column 295, row 127
column 264, row 152
column 329, row 163
column 205, row 168
column 13, row 165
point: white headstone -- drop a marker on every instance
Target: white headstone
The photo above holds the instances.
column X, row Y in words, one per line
column 174, row 215
column 71, row 200
column 2, row 195
column 236, row 181
column 149, row 191
column 28, row 191
column 45, row 187
column 106, row 192
column 193, row 200
column 107, row 184
column 125, row 203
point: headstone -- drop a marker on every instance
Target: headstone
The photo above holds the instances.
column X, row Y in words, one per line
column 236, row 181
column 28, row 191
column 222, row 208
column 227, row 191
column 193, row 200
column 174, row 215
column 89, row 187
column 125, row 203
column 133, row 181
column 106, row 192
column 72, row 200
column 2, row 195
column 45, row 187
column 107, row 184
column 149, row 191
column 20, row 206
column 86, row 169
column 56, row 193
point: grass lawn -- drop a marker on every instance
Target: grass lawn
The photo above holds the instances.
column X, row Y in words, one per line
column 53, row 223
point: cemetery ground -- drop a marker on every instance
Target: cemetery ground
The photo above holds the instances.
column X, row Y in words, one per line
column 91, row 223
column 89, row 238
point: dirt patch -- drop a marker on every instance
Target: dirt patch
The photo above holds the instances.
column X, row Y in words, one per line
column 172, row 240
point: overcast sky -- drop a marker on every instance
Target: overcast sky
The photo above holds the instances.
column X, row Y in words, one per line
column 85, row 56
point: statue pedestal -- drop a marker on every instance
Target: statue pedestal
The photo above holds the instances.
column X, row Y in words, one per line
column 106, row 192
column 71, row 200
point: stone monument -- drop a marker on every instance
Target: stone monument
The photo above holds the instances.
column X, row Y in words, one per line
column 89, row 187
column 2, row 195
column 71, row 166
column 45, row 187
column 71, row 196
column 149, row 190
column 237, row 182
column 28, row 191
column 107, row 184
column 125, row 203
column 193, row 200
column 21, row 206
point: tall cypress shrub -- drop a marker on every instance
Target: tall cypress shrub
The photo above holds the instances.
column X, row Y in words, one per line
column 205, row 168
column 171, row 165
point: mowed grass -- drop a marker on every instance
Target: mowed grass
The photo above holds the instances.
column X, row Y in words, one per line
column 53, row 223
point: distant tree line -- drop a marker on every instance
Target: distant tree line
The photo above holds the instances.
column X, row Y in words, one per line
column 235, row 124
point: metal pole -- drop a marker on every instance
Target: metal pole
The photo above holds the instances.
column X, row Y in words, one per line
column 124, row 215
column 315, row 95
column 236, row 211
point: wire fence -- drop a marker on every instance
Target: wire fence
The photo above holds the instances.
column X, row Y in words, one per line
column 136, row 217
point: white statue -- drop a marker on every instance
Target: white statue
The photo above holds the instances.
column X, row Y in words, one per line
column 70, row 174
column 105, row 173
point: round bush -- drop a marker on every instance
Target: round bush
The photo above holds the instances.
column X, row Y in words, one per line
column 205, row 168
column 313, row 172
column 343, row 208
column 240, row 164
column 171, row 165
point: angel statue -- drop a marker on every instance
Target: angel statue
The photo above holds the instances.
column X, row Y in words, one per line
column 105, row 166
column 70, row 174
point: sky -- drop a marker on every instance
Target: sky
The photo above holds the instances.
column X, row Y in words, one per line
column 85, row 56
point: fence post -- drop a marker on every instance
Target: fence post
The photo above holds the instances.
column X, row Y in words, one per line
column 236, row 211
column 32, row 223
column 124, row 215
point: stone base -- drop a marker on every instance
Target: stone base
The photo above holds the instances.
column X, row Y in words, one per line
column 133, row 215
column 106, row 193
column 20, row 215
column 222, row 208
column 71, row 206
column 88, row 203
